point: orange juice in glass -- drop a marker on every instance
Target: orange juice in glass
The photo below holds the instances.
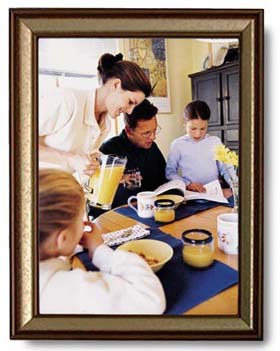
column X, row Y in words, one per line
column 103, row 184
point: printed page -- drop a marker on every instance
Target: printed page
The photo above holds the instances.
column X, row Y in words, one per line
column 172, row 184
column 213, row 193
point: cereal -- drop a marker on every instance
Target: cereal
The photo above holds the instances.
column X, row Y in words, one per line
column 150, row 260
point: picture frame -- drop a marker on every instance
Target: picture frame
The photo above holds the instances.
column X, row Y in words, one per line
column 26, row 27
column 151, row 55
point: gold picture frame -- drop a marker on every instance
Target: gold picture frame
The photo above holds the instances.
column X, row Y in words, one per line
column 26, row 27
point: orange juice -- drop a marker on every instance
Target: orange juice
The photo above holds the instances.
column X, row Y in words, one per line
column 164, row 210
column 198, row 247
column 164, row 215
column 198, row 256
column 104, row 183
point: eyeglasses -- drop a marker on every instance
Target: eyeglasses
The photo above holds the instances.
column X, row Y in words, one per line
column 147, row 135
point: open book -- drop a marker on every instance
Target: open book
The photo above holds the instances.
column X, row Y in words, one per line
column 213, row 191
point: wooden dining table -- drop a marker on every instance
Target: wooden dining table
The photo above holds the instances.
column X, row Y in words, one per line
column 225, row 302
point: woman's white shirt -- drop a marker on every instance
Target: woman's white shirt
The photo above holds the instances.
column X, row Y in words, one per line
column 66, row 120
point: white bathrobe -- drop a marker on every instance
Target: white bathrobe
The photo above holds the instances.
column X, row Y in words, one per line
column 125, row 285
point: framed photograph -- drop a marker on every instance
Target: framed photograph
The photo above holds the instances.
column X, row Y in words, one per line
column 30, row 26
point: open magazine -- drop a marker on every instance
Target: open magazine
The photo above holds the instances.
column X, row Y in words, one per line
column 213, row 191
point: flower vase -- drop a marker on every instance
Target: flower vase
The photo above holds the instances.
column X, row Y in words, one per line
column 234, row 185
column 235, row 193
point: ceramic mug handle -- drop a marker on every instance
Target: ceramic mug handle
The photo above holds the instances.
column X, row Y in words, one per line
column 130, row 204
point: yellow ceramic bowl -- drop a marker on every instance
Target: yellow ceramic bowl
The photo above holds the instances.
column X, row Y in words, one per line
column 176, row 198
column 151, row 249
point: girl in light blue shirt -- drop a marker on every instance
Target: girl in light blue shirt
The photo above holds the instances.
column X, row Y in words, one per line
column 191, row 157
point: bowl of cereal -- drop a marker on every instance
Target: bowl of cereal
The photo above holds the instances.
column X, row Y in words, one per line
column 155, row 252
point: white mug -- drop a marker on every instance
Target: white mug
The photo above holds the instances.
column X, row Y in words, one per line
column 145, row 204
column 227, row 225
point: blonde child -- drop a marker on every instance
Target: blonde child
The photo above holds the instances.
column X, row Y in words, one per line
column 191, row 157
column 125, row 283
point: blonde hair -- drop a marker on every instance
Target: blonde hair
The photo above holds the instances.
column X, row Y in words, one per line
column 60, row 200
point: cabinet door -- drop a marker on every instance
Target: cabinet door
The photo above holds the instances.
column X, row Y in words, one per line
column 230, row 87
column 217, row 132
column 208, row 89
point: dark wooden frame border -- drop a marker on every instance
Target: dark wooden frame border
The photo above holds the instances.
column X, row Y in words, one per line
column 26, row 26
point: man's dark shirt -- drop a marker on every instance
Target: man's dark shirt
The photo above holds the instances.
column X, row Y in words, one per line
column 150, row 162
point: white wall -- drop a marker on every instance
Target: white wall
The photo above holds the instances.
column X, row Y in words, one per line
column 74, row 54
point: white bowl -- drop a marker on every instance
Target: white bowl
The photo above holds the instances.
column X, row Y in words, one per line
column 151, row 249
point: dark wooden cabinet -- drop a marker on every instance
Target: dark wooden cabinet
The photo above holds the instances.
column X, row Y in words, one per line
column 219, row 87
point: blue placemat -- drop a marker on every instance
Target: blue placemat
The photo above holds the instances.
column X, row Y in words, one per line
column 185, row 287
column 184, row 210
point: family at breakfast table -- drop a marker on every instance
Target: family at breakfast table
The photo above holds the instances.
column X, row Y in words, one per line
column 73, row 127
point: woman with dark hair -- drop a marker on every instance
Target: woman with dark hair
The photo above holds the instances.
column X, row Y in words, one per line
column 74, row 123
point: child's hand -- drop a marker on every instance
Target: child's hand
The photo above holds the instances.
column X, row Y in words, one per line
column 196, row 187
column 90, row 240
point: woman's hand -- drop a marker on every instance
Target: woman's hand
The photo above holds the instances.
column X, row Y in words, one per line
column 86, row 164
column 196, row 187
column 93, row 163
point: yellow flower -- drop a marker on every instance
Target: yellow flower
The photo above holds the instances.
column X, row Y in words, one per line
column 225, row 155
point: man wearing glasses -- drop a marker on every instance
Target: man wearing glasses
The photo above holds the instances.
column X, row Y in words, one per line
column 137, row 143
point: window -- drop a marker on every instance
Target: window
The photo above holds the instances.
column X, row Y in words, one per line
column 72, row 63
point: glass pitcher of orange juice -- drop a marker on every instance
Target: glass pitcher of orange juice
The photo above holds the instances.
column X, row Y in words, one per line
column 103, row 184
